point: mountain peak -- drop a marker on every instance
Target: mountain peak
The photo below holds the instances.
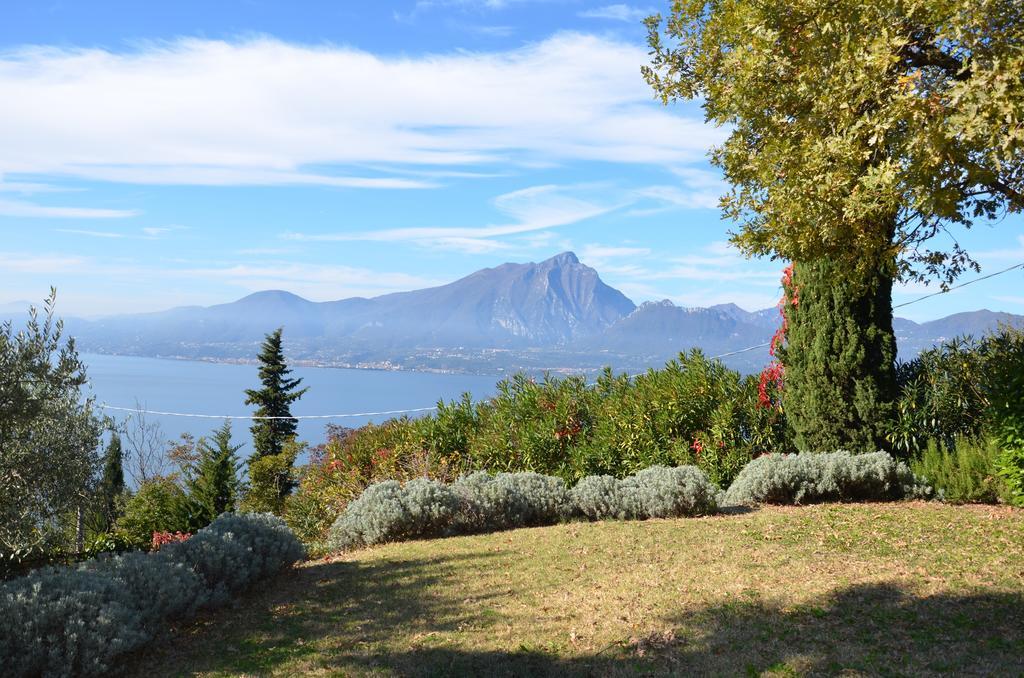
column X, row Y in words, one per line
column 563, row 259
column 272, row 296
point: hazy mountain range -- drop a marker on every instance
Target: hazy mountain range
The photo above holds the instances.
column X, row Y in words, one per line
column 556, row 314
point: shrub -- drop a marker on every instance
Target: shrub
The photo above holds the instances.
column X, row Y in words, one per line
column 271, row 478
column 59, row 621
column 159, row 505
column 1006, row 415
column 604, row 497
column 236, row 550
column 481, row 502
column 965, row 387
column 116, row 541
column 510, row 500
column 965, row 473
column 673, row 492
column 387, row 511
column 838, row 476
column 79, row 620
column 159, row 587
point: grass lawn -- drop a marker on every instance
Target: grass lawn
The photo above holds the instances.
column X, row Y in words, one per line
column 890, row 589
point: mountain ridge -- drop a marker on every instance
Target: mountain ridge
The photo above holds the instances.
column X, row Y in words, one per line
column 556, row 313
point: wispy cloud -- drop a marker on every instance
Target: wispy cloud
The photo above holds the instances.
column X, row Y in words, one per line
column 19, row 208
column 263, row 112
column 146, row 233
column 536, row 208
column 91, row 234
column 697, row 189
column 618, row 12
column 315, row 282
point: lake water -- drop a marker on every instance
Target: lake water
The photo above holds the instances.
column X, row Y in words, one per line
column 219, row 389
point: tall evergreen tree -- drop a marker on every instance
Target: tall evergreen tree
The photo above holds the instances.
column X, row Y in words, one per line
column 274, row 399
column 839, row 356
column 111, row 485
column 212, row 483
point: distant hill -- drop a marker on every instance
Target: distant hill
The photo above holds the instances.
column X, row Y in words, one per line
column 555, row 314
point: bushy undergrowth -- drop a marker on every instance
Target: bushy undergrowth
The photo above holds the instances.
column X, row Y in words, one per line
column 961, row 474
column 694, row 411
column 481, row 502
column 966, row 389
column 837, row 476
column 80, row 620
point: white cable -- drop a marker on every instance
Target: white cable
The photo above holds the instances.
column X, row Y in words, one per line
column 428, row 409
column 249, row 416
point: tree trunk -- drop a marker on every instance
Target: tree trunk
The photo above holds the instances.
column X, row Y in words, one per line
column 80, row 531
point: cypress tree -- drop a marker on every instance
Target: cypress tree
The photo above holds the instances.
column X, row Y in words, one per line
column 274, row 399
column 213, row 484
column 839, row 358
column 111, row 484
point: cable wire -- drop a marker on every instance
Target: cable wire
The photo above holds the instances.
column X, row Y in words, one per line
column 429, row 409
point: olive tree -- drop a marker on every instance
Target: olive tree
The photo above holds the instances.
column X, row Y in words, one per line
column 49, row 435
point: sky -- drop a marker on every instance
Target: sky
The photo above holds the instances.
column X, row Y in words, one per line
column 155, row 155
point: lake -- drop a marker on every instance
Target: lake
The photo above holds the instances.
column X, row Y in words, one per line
column 219, row 389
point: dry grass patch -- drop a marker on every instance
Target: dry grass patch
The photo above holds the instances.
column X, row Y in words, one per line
column 892, row 589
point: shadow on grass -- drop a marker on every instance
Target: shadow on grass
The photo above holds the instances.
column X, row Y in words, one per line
column 359, row 618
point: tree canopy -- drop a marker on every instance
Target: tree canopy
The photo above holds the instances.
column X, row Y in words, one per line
column 859, row 130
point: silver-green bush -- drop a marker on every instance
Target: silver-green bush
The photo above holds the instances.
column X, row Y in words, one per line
column 481, row 502
column 509, row 500
column 171, row 589
column 65, row 621
column 664, row 492
column 388, row 511
column 80, row 620
column 812, row 477
column 603, row 498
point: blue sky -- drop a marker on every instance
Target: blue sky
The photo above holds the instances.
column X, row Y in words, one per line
column 163, row 154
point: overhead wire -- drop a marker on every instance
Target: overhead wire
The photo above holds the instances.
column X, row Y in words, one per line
column 429, row 409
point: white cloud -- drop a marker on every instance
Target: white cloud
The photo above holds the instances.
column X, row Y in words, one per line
column 263, row 112
column 607, row 259
column 91, row 234
column 314, row 282
column 617, row 12
column 699, row 189
column 606, row 252
column 537, row 208
column 19, row 208
column 1008, row 254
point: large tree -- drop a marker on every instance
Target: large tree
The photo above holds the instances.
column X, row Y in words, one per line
column 858, row 132
column 274, row 399
column 49, row 436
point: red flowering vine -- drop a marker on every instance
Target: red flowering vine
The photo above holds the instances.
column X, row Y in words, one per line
column 774, row 373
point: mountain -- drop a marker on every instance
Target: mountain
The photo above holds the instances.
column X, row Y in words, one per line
column 915, row 337
column 550, row 303
column 661, row 327
column 553, row 315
